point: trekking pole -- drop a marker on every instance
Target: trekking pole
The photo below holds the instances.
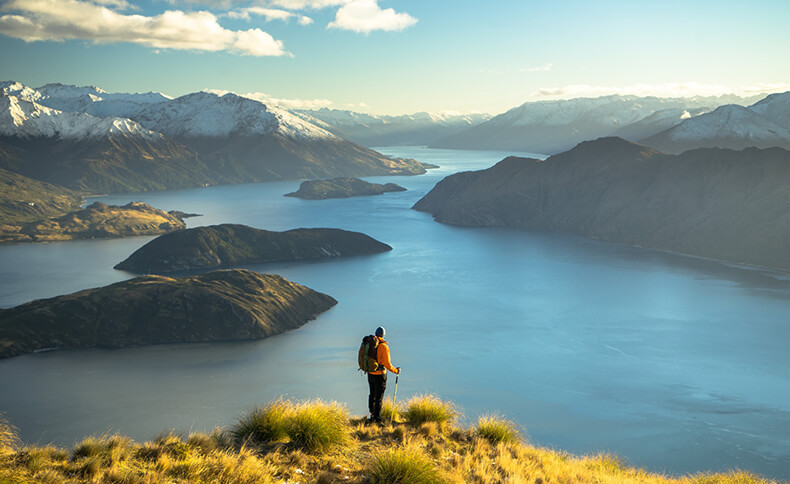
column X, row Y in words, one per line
column 394, row 395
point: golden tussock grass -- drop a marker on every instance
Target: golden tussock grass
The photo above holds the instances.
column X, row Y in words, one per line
column 317, row 442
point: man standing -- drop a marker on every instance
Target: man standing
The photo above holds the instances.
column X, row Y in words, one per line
column 377, row 380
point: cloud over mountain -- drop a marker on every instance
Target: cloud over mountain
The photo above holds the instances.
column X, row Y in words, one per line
column 58, row 20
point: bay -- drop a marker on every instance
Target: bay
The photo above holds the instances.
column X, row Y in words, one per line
column 674, row 363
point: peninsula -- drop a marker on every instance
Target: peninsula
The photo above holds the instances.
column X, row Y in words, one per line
column 96, row 221
column 709, row 202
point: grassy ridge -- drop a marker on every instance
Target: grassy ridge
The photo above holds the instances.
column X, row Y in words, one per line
column 96, row 221
column 317, row 442
column 24, row 199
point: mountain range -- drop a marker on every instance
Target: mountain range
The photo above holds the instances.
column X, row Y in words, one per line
column 762, row 125
column 416, row 129
column 709, row 202
column 84, row 138
column 555, row 126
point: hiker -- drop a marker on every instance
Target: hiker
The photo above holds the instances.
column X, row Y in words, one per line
column 377, row 380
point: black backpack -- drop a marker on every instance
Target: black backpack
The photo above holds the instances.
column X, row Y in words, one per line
column 367, row 354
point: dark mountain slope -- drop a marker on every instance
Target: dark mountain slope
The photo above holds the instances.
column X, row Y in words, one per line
column 717, row 203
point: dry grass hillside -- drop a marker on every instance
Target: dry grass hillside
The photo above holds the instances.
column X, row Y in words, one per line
column 96, row 221
column 317, row 442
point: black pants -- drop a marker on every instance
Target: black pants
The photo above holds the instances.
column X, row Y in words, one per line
column 377, row 383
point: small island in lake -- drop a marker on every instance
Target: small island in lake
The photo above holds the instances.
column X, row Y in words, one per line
column 341, row 188
column 230, row 244
column 218, row 306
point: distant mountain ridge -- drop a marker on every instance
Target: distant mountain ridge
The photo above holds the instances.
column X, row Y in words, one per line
column 762, row 125
column 716, row 203
column 554, row 126
column 416, row 129
column 85, row 138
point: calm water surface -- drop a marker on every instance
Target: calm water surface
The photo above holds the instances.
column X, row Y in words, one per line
column 676, row 364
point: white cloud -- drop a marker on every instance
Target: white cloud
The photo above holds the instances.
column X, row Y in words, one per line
column 119, row 4
column 40, row 20
column 284, row 103
column 301, row 4
column 358, row 107
column 491, row 71
column 543, row 68
column 763, row 87
column 365, row 16
column 672, row 89
column 269, row 14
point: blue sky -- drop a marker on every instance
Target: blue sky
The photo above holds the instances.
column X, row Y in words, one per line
column 400, row 56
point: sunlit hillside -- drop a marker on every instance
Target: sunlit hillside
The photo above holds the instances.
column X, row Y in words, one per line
column 290, row 442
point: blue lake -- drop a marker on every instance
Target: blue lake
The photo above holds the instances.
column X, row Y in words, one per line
column 676, row 364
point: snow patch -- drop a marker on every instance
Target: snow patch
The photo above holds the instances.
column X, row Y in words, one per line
column 19, row 117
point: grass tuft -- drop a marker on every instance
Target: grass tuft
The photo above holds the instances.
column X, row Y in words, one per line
column 404, row 465
column 314, row 426
column 390, row 411
column 9, row 436
column 736, row 477
column 203, row 443
column 496, row 429
column 263, row 425
column 89, row 447
column 428, row 408
column 317, row 426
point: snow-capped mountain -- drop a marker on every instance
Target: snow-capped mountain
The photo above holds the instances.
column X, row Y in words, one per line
column 29, row 119
column 553, row 126
column 193, row 115
column 19, row 90
column 657, row 122
column 109, row 142
column 762, row 125
column 775, row 108
column 84, row 99
column 408, row 129
column 209, row 114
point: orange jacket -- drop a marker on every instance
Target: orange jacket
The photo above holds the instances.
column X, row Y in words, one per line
column 383, row 357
